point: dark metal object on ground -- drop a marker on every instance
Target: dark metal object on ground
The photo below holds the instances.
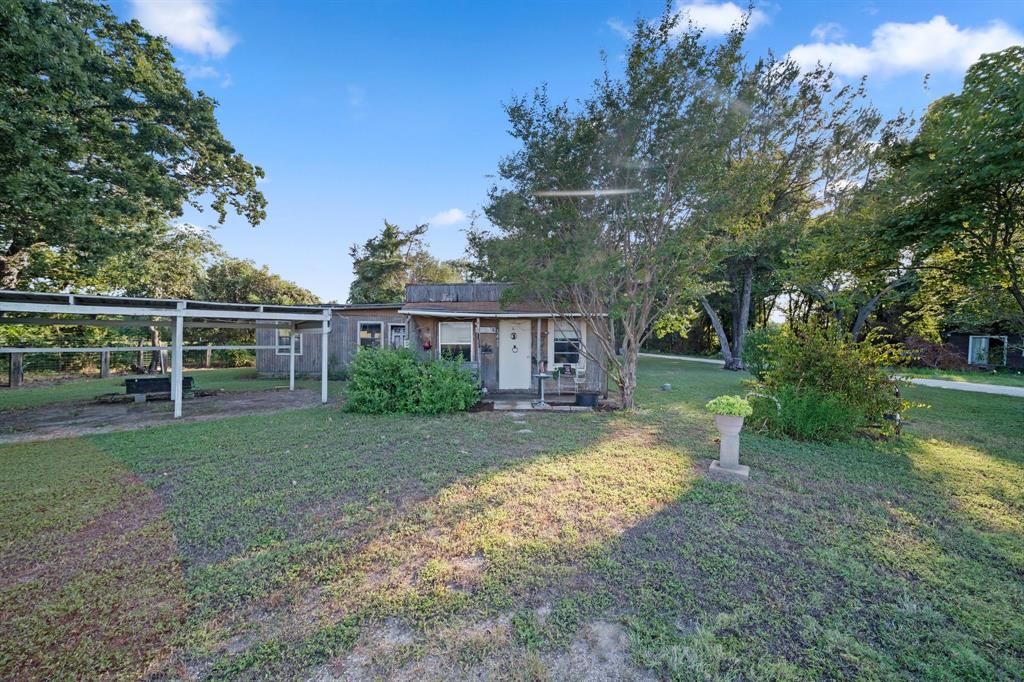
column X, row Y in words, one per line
column 154, row 385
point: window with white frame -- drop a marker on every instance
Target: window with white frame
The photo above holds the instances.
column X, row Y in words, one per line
column 987, row 350
column 284, row 339
column 398, row 336
column 565, row 344
column 371, row 334
column 455, row 340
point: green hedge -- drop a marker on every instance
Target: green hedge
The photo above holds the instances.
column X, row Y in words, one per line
column 390, row 381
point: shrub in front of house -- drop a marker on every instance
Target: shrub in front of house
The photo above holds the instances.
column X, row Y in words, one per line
column 826, row 386
column 383, row 381
column 446, row 386
column 392, row 381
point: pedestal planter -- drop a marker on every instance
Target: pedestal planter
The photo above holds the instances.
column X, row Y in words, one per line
column 729, row 428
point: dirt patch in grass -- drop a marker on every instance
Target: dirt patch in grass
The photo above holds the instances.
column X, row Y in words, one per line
column 63, row 420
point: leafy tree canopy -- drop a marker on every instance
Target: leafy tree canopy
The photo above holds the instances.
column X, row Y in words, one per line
column 961, row 178
column 100, row 137
column 385, row 263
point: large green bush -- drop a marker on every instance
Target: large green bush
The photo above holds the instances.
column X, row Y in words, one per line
column 445, row 386
column 827, row 385
column 383, row 381
column 389, row 381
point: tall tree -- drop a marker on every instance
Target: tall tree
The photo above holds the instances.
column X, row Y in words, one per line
column 100, row 137
column 603, row 212
column 798, row 141
column 961, row 178
column 381, row 264
column 384, row 264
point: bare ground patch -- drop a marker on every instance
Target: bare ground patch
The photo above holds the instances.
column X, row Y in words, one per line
column 84, row 418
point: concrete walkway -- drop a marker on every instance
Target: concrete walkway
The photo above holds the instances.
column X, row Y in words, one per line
column 996, row 389
column 691, row 358
column 968, row 386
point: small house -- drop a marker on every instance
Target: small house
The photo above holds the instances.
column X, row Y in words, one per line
column 507, row 344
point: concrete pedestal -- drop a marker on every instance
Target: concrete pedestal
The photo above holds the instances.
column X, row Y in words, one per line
column 729, row 428
column 740, row 471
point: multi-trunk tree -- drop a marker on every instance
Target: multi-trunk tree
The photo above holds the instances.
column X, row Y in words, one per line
column 603, row 211
column 798, row 142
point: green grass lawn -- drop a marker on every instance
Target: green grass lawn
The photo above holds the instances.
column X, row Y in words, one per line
column 573, row 546
column 232, row 379
column 1001, row 378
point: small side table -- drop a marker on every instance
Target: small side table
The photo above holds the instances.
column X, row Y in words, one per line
column 541, row 376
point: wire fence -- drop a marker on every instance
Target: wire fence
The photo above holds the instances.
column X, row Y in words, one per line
column 42, row 367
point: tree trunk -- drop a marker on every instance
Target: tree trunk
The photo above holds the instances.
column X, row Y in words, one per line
column 157, row 357
column 866, row 309
column 716, row 323
column 627, row 375
column 742, row 317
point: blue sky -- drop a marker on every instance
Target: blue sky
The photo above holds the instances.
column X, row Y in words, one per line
column 365, row 111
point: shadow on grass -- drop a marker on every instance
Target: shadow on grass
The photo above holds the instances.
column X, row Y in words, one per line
column 88, row 575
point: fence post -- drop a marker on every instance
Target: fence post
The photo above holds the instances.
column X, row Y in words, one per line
column 209, row 357
column 104, row 364
column 17, row 372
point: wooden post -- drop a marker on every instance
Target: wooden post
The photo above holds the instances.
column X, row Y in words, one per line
column 176, row 368
column 209, row 358
column 291, row 360
column 17, row 370
column 324, row 333
column 104, row 364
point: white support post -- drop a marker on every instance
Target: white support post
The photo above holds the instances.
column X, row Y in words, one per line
column 325, row 331
column 176, row 367
column 291, row 360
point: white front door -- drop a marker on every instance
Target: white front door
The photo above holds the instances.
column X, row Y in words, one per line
column 514, row 361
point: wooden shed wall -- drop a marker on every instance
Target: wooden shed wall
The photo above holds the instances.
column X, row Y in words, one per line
column 342, row 343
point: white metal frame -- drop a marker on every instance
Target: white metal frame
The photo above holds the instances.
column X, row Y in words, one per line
column 85, row 310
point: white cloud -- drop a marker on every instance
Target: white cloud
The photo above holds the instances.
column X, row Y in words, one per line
column 621, row 28
column 207, row 72
column 929, row 46
column 449, row 217
column 188, row 24
column 717, row 18
column 830, row 30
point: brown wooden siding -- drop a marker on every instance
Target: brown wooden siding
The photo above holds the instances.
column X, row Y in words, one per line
column 342, row 343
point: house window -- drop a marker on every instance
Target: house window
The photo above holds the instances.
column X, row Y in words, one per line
column 987, row 350
column 565, row 345
column 371, row 334
column 284, row 338
column 455, row 339
column 398, row 336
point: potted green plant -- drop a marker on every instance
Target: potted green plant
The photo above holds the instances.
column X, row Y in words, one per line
column 729, row 411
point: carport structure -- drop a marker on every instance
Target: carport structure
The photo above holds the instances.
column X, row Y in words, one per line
column 32, row 308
